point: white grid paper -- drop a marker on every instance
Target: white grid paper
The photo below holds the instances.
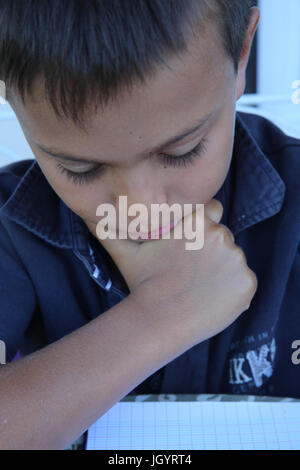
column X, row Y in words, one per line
column 197, row 426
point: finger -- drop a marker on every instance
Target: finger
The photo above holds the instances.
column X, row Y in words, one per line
column 214, row 210
column 119, row 248
column 187, row 225
column 229, row 232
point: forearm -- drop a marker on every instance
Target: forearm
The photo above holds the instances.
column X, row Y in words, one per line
column 52, row 396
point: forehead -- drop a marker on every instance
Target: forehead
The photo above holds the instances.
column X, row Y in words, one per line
column 192, row 84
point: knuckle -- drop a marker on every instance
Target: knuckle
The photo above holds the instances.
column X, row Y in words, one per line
column 251, row 283
column 228, row 232
column 253, row 280
column 224, row 234
column 240, row 255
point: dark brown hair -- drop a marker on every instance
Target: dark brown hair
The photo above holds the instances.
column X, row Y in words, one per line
column 88, row 50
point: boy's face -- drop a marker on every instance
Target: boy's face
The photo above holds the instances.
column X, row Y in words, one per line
column 125, row 134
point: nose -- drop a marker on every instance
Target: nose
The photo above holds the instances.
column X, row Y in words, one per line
column 144, row 190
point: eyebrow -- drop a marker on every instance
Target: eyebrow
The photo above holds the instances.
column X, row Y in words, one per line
column 185, row 133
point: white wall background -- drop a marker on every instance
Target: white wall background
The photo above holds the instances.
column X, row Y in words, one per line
column 13, row 145
column 278, row 68
column 278, row 64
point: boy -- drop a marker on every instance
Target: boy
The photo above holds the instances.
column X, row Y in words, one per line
column 137, row 98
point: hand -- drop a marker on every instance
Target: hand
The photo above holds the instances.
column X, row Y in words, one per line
column 201, row 291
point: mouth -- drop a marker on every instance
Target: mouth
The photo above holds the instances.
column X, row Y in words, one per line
column 157, row 234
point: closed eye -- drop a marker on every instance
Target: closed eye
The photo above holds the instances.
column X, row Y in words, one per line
column 169, row 160
column 187, row 157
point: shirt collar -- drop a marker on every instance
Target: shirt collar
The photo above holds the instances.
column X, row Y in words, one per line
column 35, row 205
column 252, row 191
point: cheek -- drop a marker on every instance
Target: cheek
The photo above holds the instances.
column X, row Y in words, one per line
column 202, row 181
column 83, row 199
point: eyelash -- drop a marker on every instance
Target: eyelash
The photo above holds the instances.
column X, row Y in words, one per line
column 169, row 160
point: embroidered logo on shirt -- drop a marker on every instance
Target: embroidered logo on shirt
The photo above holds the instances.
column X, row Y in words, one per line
column 254, row 366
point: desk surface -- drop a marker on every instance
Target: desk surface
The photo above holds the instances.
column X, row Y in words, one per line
column 80, row 443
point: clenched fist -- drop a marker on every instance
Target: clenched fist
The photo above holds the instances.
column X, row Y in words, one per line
column 200, row 291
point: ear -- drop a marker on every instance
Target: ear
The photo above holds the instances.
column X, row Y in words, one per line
column 244, row 57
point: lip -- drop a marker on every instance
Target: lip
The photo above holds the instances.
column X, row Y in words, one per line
column 157, row 233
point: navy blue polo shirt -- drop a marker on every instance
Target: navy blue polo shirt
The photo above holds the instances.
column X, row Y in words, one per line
column 55, row 276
